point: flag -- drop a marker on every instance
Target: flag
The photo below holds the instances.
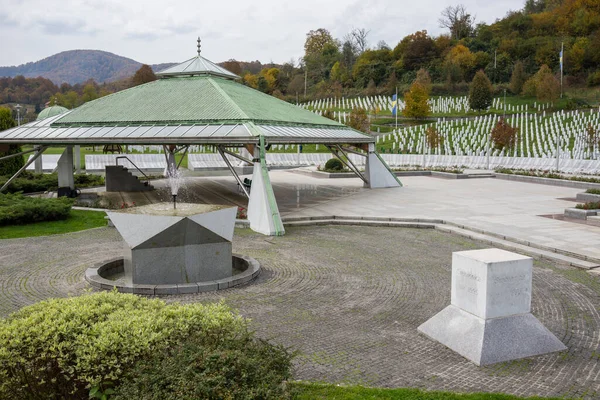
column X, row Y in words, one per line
column 394, row 104
column 561, row 60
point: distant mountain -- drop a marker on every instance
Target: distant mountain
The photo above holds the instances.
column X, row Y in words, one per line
column 76, row 66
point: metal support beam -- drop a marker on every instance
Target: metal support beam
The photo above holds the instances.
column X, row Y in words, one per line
column 19, row 154
column 239, row 157
column 348, row 150
column 235, row 175
column 38, row 153
column 349, row 164
column 183, row 156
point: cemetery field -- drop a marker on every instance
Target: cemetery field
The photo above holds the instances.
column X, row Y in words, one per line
column 79, row 220
column 441, row 106
column 98, row 151
column 539, row 135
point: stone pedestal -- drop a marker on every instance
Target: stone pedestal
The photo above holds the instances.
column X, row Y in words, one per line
column 176, row 246
column 489, row 319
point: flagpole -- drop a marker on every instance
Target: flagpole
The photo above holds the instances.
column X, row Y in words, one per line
column 396, row 108
column 562, row 48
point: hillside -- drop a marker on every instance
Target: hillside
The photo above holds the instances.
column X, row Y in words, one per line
column 76, row 66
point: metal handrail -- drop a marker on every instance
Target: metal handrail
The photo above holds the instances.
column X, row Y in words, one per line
column 132, row 163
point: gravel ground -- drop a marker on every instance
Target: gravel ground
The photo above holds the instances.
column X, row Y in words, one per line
column 350, row 299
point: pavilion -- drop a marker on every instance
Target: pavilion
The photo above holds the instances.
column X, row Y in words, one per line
column 200, row 103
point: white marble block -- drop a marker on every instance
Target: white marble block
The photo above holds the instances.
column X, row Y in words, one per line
column 491, row 283
column 489, row 319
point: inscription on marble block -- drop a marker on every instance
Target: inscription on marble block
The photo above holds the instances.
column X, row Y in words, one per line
column 491, row 283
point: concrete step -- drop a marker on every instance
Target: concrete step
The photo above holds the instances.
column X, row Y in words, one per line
column 521, row 248
column 359, row 222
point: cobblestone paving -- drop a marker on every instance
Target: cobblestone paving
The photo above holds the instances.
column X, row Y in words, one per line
column 350, row 300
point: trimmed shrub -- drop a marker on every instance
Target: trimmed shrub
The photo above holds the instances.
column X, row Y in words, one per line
column 29, row 182
column 593, row 191
column 592, row 205
column 67, row 348
column 234, row 367
column 334, row 164
column 16, row 209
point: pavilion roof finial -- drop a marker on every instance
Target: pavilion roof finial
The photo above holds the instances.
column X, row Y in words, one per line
column 199, row 46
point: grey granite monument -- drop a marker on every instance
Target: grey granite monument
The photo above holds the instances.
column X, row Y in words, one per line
column 489, row 318
column 176, row 246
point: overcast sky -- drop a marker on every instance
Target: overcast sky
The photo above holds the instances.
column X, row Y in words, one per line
column 153, row 31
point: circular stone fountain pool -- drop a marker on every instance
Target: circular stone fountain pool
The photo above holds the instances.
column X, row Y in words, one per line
column 174, row 251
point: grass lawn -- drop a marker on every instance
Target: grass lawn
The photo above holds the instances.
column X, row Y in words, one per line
column 79, row 220
column 312, row 391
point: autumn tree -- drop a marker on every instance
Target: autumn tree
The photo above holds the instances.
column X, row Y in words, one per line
column 143, row 75
column 424, row 79
column 504, row 136
column 543, row 85
column 233, row 66
column 518, row 78
column 359, row 120
column 415, row 51
column 416, row 102
column 316, row 41
column 593, row 141
column 434, row 137
column 480, row 92
column 461, row 56
column 359, row 39
column 458, row 21
column 89, row 93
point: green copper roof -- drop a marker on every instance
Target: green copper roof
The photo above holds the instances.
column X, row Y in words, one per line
column 189, row 100
column 197, row 66
column 51, row 112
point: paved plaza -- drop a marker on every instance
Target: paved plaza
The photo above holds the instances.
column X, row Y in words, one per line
column 350, row 298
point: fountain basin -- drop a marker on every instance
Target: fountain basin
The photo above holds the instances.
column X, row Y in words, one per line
column 110, row 274
column 167, row 246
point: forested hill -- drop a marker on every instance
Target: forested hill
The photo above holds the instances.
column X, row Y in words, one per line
column 76, row 66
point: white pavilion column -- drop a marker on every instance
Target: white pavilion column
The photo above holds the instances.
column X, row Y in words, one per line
column 77, row 158
column 377, row 172
column 38, row 164
column 263, row 212
column 65, row 169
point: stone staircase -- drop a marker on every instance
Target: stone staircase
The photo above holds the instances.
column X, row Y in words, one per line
column 119, row 179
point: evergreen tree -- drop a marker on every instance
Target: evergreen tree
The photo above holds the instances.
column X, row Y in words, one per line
column 518, row 78
column 480, row 93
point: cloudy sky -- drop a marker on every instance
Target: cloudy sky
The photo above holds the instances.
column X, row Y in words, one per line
column 162, row 31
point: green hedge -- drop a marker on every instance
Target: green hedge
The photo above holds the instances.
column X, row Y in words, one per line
column 29, row 182
column 76, row 347
column 16, row 209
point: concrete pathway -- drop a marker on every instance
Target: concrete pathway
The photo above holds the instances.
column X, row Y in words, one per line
column 507, row 208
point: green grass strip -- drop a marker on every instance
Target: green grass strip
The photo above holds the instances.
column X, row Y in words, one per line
column 313, row 391
column 79, row 220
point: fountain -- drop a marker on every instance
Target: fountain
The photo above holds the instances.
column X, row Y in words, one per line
column 174, row 249
column 174, row 179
